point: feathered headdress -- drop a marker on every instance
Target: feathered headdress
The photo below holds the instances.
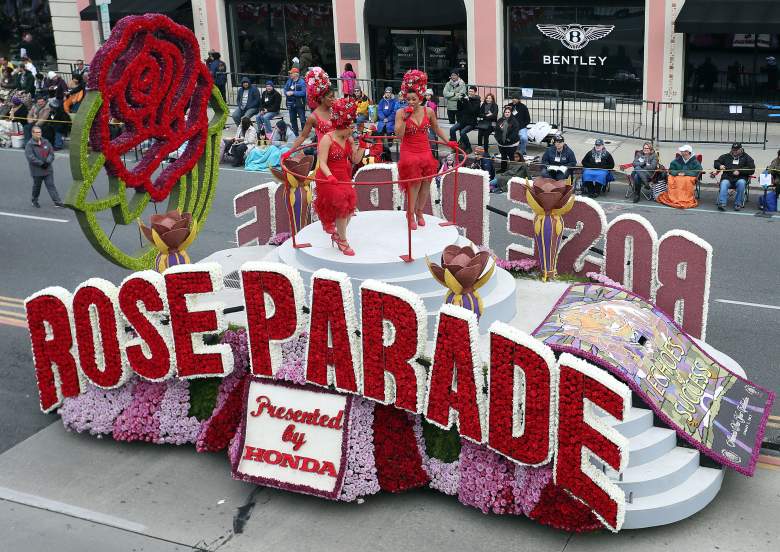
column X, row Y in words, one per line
column 414, row 81
column 343, row 113
column 317, row 85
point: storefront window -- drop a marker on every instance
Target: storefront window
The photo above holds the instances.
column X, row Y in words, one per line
column 571, row 46
column 19, row 17
column 265, row 36
column 732, row 67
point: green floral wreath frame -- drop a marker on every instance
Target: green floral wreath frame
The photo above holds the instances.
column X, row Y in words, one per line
column 194, row 193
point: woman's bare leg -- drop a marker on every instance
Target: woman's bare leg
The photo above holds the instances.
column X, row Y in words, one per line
column 422, row 196
column 341, row 227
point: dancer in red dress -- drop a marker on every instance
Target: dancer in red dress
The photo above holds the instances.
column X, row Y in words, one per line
column 336, row 153
column 320, row 98
column 416, row 160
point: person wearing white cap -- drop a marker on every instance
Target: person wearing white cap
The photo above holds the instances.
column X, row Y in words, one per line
column 56, row 85
column 681, row 184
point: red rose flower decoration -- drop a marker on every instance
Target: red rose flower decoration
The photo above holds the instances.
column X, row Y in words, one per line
column 151, row 78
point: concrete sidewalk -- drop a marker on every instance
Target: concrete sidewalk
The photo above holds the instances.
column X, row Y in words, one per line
column 152, row 497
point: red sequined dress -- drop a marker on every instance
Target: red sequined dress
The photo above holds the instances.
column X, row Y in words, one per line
column 416, row 160
column 336, row 201
column 322, row 127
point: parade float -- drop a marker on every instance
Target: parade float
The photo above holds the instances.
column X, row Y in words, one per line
column 424, row 360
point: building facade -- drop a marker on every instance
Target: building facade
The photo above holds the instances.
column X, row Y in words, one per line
column 627, row 48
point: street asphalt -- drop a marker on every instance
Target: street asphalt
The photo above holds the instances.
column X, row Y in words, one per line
column 45, row 247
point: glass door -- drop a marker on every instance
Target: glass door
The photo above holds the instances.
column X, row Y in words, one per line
column 405, row 52
column 437, row 54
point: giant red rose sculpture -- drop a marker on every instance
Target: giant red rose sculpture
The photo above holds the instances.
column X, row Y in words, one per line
column 150, row 94
column 152, row 80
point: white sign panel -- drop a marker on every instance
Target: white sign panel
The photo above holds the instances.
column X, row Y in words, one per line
column 294, row 438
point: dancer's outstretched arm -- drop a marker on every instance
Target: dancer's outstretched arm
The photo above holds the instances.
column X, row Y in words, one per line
column 310, row 122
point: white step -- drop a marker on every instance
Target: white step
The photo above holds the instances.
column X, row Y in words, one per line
column 674, row 504
column 652, row 443
column 661, row 474
column 634, row 422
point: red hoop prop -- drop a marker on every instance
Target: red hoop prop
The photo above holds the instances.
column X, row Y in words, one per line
column 460, row 161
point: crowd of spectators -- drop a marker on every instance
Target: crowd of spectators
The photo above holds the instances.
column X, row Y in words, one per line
column 29, row 98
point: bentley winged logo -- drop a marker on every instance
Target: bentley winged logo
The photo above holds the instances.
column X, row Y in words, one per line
column 574, row 36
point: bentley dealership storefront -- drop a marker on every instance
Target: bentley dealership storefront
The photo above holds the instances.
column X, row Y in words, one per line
column 656, row 50
column 576, row 46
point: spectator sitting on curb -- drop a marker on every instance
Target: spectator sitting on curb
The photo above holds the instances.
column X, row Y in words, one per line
column 597, row 164
column 282, row 134
column 40, row 157
column 248, row 101
column 517, row 169
column 36, row 116
column 735, row 169
column 681, row 183
column 362, row 106
column 558, row 159
column 523, row 116
column 56, row 85
column 468, row 111
column 270, row 105
column 774, row 170
column 243, row 142
column 75, row 95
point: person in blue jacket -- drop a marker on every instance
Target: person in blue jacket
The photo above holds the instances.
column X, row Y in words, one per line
column 248, row 101
column 558, row 155
column 295, row 92
column 385, row 118
column 386, row 109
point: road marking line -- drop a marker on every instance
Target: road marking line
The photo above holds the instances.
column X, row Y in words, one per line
column 12, row 299
column 694, row 211
column 14, row 314
column 766, row 459
column 758, row 305
column 768, row 466
column 50, row 505
column 13, row 322
column 9, row 305
column 33, row 217
column 773, row 424
column 774, row 417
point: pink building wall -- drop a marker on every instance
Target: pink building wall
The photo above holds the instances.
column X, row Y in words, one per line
column 213, row 20
column 655, row 39
column 87, row 33
column 485, row 54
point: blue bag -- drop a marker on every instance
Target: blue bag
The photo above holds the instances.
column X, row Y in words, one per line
column 771, row 201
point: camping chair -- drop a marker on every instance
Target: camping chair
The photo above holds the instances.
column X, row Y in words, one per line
column 647, row 190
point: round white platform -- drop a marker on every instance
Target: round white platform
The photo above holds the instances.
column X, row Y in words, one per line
column 379, row 238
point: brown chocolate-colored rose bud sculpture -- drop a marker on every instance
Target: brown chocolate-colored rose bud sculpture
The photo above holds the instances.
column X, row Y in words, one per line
column 171, row 234
column 463, row 271
column 550, row 200
column 298, row 190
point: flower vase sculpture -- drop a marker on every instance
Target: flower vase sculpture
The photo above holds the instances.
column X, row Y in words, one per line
column 171, row 234
column 550, row 200
column 463, row 271
column 298, row 191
